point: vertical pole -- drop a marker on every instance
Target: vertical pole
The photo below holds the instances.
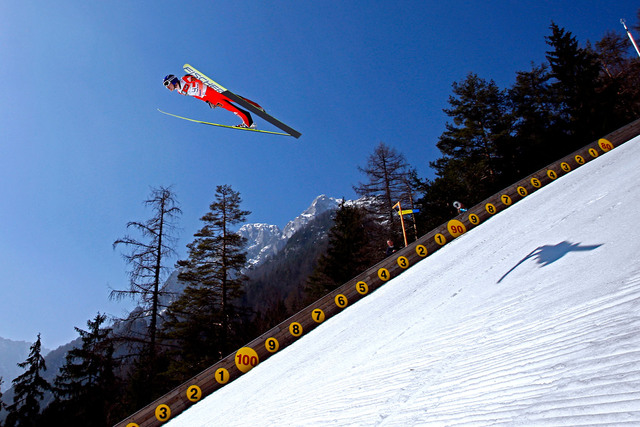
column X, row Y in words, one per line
column 404, row 232
column 413, row 217
column 630, row 36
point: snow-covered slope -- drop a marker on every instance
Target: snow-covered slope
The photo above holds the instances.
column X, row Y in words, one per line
column 532, row 318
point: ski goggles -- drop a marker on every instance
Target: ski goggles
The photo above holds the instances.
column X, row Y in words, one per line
column 170, row 79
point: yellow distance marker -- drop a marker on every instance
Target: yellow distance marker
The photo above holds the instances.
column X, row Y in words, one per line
column 522, row 191
column 421, row 250
column 194, row 393
column 362, row 289
column 403, row 262
column 295, row 329
column 317, row 315
column 163, row 412
column 456, row 228
column 474, row 219
column 222, row 376
column 246, row 359
column 272, row 345
column 605, row 145
column 342, row 301
column 384, row 275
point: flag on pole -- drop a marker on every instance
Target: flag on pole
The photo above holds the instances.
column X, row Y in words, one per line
column 630, row 36
column 409, row 211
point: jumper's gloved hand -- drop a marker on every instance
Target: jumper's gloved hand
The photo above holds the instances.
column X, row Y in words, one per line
column 211, row 104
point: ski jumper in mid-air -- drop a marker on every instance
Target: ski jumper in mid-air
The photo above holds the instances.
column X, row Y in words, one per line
column 189, row 85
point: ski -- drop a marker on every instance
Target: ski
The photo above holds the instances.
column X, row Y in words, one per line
column 189, row 69
column 224, row 126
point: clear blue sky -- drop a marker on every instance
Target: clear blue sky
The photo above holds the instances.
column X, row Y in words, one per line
column 81, row 142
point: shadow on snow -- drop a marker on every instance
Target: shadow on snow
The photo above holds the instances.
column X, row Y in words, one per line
column 547, row 254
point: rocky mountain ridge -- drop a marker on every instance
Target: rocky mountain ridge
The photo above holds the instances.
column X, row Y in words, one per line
column 264, row 241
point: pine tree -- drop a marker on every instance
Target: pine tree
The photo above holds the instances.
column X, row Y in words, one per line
column 352, row 249
column 86, row 386
column 535, row 127
column 387, row 171
column 29, row 389
column 204, row 321
column 584, row 105
column 147, row 260
column 481, row 125
column 475, row 148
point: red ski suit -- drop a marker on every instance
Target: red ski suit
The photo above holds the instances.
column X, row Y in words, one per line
column 191, row 86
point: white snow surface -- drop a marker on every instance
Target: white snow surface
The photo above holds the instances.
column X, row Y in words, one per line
column 532, row 318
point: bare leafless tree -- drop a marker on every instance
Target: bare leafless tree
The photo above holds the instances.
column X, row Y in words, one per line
column 147, row 258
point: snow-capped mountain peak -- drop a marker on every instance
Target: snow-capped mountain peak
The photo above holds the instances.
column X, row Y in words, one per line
column 319, row 206
column 265, row 240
